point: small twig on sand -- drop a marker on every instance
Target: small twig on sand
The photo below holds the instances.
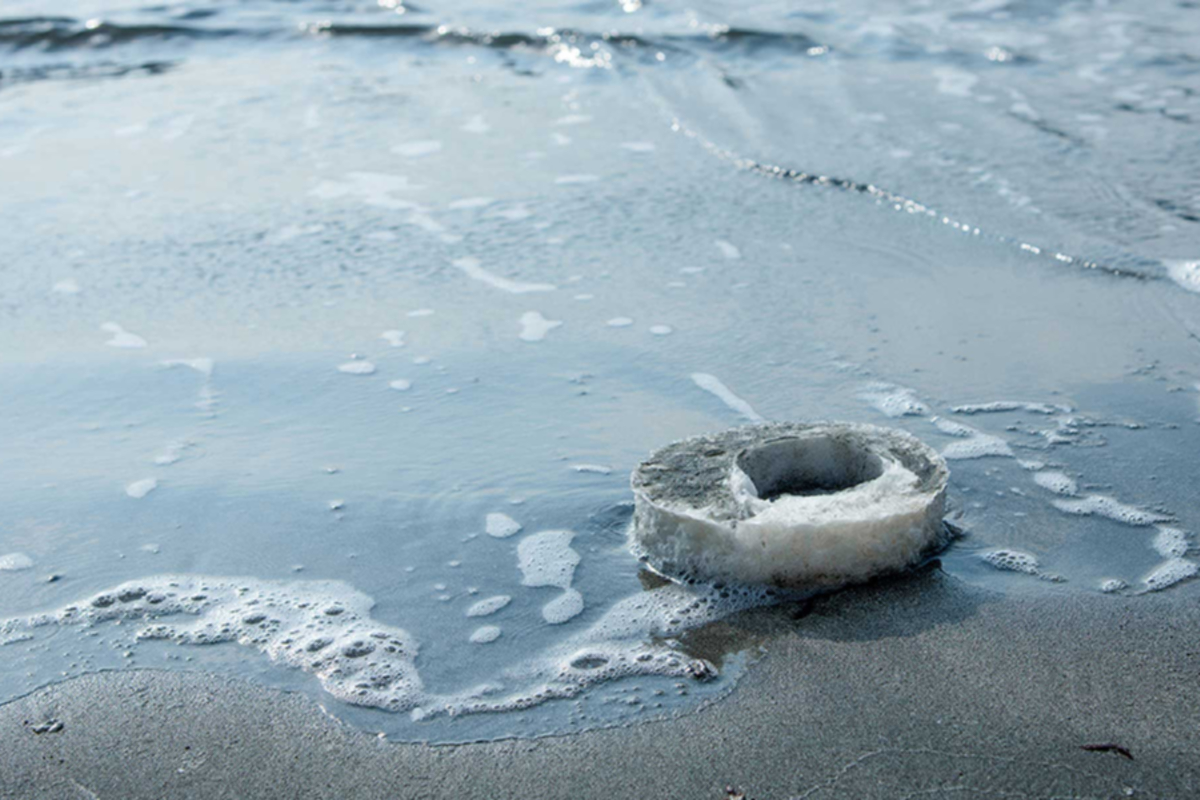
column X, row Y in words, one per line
column 1108, row 747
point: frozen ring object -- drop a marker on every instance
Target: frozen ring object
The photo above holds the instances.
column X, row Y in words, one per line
column 797, row 505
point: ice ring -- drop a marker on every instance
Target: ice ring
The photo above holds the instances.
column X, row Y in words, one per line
column 797, row 505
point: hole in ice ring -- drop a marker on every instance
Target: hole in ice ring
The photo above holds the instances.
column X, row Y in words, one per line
column 807, row 466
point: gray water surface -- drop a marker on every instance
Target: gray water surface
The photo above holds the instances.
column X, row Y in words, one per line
column 300, row 293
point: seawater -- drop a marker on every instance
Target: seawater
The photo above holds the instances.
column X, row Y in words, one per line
column 331, row 332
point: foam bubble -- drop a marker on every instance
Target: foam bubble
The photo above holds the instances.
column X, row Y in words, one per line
column 202, row 365
column 1009, row 405
column 172, row 453
column 476, row 124
column 597, row 469
column 470, row 202
column 573, row 119
column 974, row 444
column 373, row 188
column 566, row 606
column 485, row 634
column 1012, row 561
column 424, row 147
column 1169, row 573
column 567, row 180
column 393, row 337
column 893, row 401
column 560, row 139
column 66, row 286
column 1171, row 542
column 546, row 559
column 15, row 562
column 500, row 525
column 1104, row 506
column 489, row 606
column 358, row 367
column 472, row 268
column 638, row 147
column 728, row 249
column 1185, row 273
column 515, row 213
column 289, row 232
column 1055, row 481
column 400, row 385
column 122, row 337
column 661, row 330
column 955, row 82
column 713, row 385
column 534, row 326
column 139, row 489
column 421, row 312
column 619, row 322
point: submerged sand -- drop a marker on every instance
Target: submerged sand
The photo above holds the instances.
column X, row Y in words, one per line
column 915, row 687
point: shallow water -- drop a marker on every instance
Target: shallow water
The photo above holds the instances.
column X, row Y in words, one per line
column 299, row 293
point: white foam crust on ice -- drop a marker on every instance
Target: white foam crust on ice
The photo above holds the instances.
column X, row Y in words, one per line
column 870, row 500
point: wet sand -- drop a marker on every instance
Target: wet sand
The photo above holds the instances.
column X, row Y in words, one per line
column 917, row 687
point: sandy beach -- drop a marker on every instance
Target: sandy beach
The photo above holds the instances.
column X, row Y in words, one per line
column 917, row 687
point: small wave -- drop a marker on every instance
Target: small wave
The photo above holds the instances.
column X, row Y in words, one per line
column 1138, row 269
column 57, row 33
column 66, row 72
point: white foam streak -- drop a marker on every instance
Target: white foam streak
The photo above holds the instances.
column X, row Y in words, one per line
column 534, row 326
column 713, row 385
column 1104, row 506
column 472, row 269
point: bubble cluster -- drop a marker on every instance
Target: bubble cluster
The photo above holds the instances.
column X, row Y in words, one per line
column 1104, row 506
column 974, row 443
column 1018, row 561
column 547, row 559
column 324, row 628
column 893, row 401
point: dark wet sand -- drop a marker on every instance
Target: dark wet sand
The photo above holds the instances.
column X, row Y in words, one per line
column 920, row 687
